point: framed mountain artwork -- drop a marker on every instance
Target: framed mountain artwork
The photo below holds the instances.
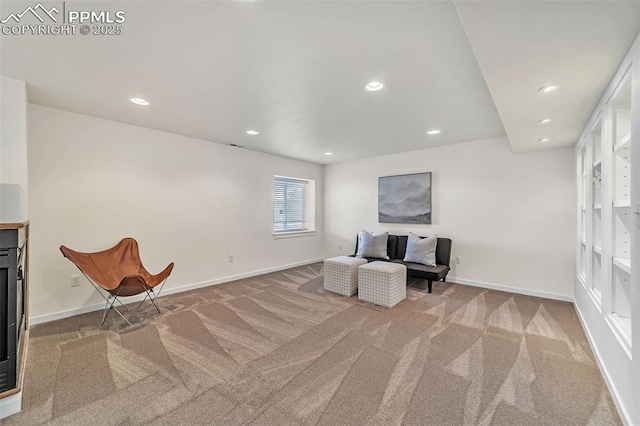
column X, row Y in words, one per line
column 405, row 198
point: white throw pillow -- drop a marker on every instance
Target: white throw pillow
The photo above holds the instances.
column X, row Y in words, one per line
column 372, row 245
column 421, row 250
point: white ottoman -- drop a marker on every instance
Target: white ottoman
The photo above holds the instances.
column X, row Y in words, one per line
column 382, row 283
column 341, row 274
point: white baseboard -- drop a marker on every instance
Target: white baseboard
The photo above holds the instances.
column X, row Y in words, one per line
column 624, row 414
column 90, row 308
column 525, row 291
column 10, row 405
column 98, row 306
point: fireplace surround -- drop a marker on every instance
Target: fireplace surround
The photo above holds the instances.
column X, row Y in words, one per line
column 13, row 304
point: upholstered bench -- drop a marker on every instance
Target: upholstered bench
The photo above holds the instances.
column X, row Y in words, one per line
column 341, row 274
column 382, row 283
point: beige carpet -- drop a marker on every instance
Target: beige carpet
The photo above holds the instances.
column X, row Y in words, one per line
column 278, row 350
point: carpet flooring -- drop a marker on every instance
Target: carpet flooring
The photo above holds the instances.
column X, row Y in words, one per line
column 279, row 350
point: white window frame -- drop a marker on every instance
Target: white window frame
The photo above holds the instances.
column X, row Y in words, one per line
column 308, row 215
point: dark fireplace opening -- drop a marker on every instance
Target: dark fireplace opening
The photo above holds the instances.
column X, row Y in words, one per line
column 11, row 296
column 4, row 290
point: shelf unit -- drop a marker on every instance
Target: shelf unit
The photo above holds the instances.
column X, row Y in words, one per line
column 620, row 190
column 595, row 277
column 605, row 217
column 607, row 277
column 583, row 187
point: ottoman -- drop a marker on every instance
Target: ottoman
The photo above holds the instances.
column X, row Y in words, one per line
column 382, row 283
column 341, row 274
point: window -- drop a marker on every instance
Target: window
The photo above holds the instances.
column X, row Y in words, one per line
column 293, row 205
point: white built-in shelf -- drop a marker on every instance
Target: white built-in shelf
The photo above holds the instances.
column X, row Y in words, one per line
column 623, row 263
column 624, row 143
column 596, row 296
column 605, row 161
column 622, row 329
column 622, row 203
column 582, row 279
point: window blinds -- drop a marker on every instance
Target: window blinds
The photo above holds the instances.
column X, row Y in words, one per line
column 289, row 204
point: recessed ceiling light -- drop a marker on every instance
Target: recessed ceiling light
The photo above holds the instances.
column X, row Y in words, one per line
column 140, row 101
column 252, row 132
column 433, row 132
column 543, row 140
column 328, row 153
column 374, row 86
column 544, row 120
column 547, row 89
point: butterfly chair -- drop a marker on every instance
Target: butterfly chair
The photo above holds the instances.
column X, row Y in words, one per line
column 120, row 273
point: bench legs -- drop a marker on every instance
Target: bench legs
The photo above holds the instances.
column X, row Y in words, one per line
column 429, row 283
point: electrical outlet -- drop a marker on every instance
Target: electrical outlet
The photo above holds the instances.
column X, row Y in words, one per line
column 340, row 247
column 230, row 258
column 458, row 259
column 75, row 280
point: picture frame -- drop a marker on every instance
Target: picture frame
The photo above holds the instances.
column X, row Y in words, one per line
column 405, row 198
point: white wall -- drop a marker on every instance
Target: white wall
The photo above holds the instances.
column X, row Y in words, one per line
column 511, row 217
column 13, row 150
column 193, row 202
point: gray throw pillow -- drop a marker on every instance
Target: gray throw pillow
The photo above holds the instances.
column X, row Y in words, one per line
column 421, row 250
column 372, row 245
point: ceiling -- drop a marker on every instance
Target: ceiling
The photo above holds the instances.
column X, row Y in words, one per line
column 296, row 71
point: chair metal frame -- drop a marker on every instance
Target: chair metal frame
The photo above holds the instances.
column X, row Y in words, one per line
column 112, row 298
